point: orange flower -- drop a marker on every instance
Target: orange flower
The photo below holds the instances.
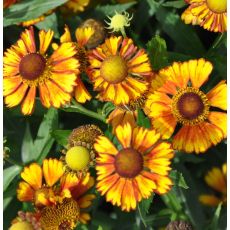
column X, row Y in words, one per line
column 75, row 5
column 140, row 167
column 210, row 14
column 217, row 180
column 82, row 37
column 33, row 189
column 119, row 70
column 180, row 101
column 78, row 189
column 25, row 69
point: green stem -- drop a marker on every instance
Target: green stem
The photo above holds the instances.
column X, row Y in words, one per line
column 13, row 162
column 142, row 219
column 76, row 107
column 216, row 43
column 123, row 33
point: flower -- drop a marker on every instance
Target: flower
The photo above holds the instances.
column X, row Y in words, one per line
column 82, row 36
column 179, row 225
column 138, row 168
column 78, row 187
column 119, row 71
column 75, row 5
column 210, row 14
column 180, row 101
column 216, row 178
column 26, row 221
column 25, row 69
column 8, row 3
column 80, row 154
column 32, row 188
column 118, row 22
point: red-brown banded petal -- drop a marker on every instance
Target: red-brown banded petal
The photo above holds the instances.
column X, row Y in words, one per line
column 33, row 175
column 104, row 145
column 11, row 84
column 28, row 39
column 53, row 170
column 45, row 39
column 104, row 170
column 217, row 96
column 44, row 95
column 124, row 135
column 28, row 103
column 16, row 97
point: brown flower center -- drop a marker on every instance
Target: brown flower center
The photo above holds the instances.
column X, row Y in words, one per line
column 32, row 66
column 128, row 163
column 190, row 106
column 114, row 69
column 217, row 6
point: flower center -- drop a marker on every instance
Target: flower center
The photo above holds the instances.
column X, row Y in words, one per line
column 61, row 216
column 190, row 106
column 114, row 69
column 21, row 225
column 32, row 66
column 128, row 163
column 217, row 6
column 77, row 158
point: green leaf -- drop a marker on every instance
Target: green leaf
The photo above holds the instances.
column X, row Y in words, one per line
column 9, row 174
column 27, row 149
column 107, row 108
column 50, row 22
column 175, row 4
column 157, row 50
column 216, row 217
column 61, row 136
column 6, row 202
column 100, row 228
column 44, row 140
column 142, row 120
column 109, row 10
column 29, row 9
column 178, row 179
column 186, row 41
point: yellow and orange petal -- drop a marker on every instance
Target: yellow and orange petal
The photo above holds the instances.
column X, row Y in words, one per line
column 216, row 179
column 76, row 5
column 119, row 71
column 210, row 14
column 179, row 101
column 140, row 167
column 27, row 68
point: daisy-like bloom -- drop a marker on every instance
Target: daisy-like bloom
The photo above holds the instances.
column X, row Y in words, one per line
column 118, row 22
column 26, row 69
column 82, row 36
column 210, row 14
column 134, row 171
column 119, row 70
column 80, row 154
column 180, row 101
column 26, row 221
column 78, row 188
column 216, row 178
column 38, row 182
column 126, row 113
column 75, row 5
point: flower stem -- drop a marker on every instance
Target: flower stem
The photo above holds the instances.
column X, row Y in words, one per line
column 123, row 33
column 13, row 162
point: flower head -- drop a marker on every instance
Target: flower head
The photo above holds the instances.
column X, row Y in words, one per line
column 33, row 189
column 75, row 5
column 119, row 21
column 180, row 101
column 210, row 14
column 26, row 69
column 119, row 71
column 133, row 172
column 216, row 179
column 80, row 154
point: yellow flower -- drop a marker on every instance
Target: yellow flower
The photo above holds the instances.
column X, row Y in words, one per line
column 80, row 154
column 26, row 69
column 118, row 22
column 119, row 71
column 75, row 5
column 78, row 189
column 216, row 178
column 140, row 167
column 82, row 36
column 33, row 189
column 210, row 14
column 181, row 102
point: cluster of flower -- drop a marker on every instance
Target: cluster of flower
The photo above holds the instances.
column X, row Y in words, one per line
column 183, row 117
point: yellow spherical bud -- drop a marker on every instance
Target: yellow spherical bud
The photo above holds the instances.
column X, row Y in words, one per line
column 77, row 158
column 217, row 6
column 21, row 225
